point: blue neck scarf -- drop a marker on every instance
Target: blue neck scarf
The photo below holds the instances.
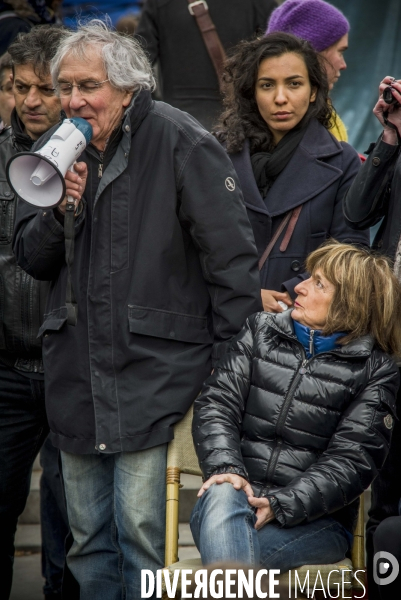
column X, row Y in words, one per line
column 313, row 341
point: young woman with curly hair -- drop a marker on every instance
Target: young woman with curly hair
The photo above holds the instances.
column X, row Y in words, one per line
column 292, row 171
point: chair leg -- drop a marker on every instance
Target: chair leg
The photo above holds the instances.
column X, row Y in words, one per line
column 172, row 505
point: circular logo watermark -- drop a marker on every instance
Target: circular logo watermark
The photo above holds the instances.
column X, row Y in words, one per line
column 230, row 184
column 385, row 568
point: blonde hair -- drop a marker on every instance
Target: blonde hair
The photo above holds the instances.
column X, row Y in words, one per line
column 367, row 296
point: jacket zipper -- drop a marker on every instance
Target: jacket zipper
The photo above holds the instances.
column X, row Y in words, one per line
column 281, row 420
column 311, row 347
column 3, row 220
column 100, row 168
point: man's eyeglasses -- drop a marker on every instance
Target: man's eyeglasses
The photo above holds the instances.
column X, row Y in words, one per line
column 23, row 90
column 85, row 88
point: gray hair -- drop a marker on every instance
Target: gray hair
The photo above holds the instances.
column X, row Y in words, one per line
column 125, row 62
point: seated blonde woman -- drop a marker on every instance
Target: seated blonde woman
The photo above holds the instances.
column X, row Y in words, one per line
column 296, row 420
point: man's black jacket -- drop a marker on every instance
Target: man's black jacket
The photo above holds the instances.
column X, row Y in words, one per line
column 165, row 268
column 311, row 434
column 169, row 33
column 22, row 299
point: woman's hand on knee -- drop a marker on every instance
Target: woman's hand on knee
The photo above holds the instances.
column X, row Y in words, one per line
column 238, row 482
column 264, row 512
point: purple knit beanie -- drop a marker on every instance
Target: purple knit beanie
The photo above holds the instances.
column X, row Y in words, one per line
column 318, row 22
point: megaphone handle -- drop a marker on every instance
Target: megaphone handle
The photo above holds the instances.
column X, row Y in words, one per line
column 70, row 199
column 69, row 239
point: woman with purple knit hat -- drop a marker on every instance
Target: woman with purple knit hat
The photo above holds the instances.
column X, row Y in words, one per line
column 326, row 29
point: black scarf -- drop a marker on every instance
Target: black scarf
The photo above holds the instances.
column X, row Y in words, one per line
column 267, row 166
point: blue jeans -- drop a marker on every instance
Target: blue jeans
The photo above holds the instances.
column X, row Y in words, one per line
column 222, row 524
column 23, row 428
column 116, row 506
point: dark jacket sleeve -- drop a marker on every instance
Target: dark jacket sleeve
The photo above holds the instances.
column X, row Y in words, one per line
column 340, row 229
column 147, row 33
column 219, row 409
column 365, row 203
column 38, row 242
column 355, row 453
column 262, row 11
column 218, row 224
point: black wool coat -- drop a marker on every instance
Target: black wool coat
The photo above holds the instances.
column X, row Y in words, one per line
column 171, row 35
column 309, row 434
column 157, row 279
column 317, row 177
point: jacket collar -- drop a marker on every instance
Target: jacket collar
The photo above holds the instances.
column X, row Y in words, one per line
column 141, row 102
column 284, row 325
column 21, row 140
column 309, row 174
column 136, row 112
column 313, row 340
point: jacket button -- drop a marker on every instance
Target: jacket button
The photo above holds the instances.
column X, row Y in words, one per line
column 295, row 265
column 96, row 373
column 380, row 244
column 172, row 334
column 126, row 128
column 376, row 161
column 102, row 446
column 7, row 193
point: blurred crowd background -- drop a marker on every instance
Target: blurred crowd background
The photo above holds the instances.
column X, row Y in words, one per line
column 375, row 49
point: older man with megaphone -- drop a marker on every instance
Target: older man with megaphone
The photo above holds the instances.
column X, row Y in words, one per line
column 164, row 273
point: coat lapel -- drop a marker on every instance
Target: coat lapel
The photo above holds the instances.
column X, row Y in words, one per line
column 243, row 167
column 306, row 175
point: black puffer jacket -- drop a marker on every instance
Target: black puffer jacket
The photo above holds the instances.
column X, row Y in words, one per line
column 308, row 434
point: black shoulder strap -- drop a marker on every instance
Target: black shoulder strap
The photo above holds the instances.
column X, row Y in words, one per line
column 200, row 11
column 69, row 235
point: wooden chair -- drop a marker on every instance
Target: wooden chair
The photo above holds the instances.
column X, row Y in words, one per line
column 181, row 458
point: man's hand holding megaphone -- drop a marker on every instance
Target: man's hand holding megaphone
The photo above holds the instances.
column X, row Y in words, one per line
column 75, row 183
column 47, row 176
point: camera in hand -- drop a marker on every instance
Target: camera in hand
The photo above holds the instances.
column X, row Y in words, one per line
column 388, row 96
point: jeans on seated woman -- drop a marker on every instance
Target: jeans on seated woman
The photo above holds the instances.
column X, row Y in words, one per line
column 296, row 420
column 223, row 524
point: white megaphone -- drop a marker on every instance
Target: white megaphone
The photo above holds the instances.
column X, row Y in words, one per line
column 38, row 177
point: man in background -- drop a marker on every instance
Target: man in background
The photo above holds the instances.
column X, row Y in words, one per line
column 6, row 91
column 170, row 34
column 23, row 422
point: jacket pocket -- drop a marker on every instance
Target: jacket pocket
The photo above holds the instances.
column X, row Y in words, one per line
column 53, row 321
column 165, row 324
column 7, row 209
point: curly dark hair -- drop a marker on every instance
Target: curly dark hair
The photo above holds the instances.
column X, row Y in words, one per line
column 241, row 118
